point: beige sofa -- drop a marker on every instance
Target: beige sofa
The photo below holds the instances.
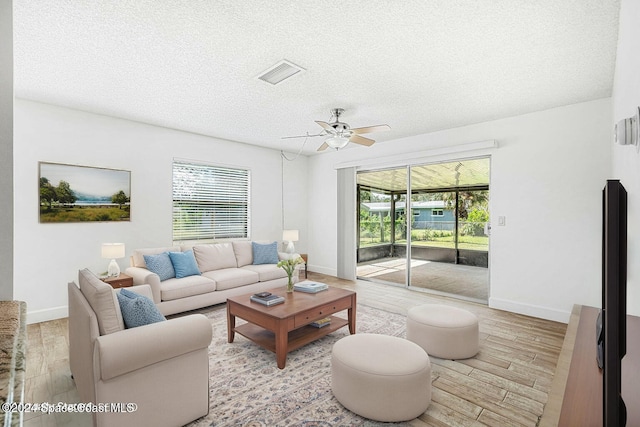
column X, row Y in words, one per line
column 162, row 367
column 226, row 269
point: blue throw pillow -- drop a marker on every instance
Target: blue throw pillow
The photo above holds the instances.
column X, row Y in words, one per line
column 137, row 310
column 161, row 265
column 184, row 263
column 265, row 253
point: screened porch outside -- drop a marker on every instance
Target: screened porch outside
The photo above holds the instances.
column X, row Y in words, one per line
column 447, row 222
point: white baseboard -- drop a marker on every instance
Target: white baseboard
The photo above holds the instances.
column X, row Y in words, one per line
column 38, row 316
column 323, row 270
column 530, row 310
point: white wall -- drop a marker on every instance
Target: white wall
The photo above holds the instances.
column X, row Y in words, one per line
column 296, row 191
column 47, row 256
column 546, row 179
column 625, row 159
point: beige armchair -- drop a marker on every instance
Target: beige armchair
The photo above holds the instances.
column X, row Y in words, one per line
column 162, row 367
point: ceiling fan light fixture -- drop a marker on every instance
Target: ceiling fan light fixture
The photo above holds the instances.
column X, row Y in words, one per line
column 340, row 134
column 337, row 141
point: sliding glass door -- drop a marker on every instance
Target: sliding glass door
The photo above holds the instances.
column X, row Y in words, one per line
column 381, row 252
column 436, row 242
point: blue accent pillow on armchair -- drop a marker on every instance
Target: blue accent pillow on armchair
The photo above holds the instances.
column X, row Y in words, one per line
column 137, row 310
column 265, row 253
column 161, row 265
column 184, row 263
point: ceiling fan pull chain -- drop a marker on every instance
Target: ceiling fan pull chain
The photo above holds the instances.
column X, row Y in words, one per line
column 284, row 156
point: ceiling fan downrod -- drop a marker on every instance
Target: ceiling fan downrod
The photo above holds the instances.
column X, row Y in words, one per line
column 337, row 112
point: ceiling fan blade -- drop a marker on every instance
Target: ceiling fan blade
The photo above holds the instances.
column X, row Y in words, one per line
column 302, row 136
column 326, row 126
column 370, row 129
column 323, row 147
column 361, row 140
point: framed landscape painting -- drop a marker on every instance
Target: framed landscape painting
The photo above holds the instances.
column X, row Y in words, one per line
column 70, row 193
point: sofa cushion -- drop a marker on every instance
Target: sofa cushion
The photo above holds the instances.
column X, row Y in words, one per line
column 244, row 253
column 137, row 258
column 161, row 265
column 215, row 257
column 228, row 278
column 137, row 310
column 103, row 301
column 265, row 253
column 187, row 286
column 266, row 271
column 184, row 263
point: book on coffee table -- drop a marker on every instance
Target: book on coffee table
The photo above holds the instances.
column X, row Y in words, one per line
column 321, row 323
column 268, row 300
column 310, row 287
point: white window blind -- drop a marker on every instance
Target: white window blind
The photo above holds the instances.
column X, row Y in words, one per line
column 210, row 202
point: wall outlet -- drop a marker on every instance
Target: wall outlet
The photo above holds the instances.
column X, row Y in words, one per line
column 502, row 221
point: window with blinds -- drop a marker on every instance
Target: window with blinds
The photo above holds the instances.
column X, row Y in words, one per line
column 210, row 202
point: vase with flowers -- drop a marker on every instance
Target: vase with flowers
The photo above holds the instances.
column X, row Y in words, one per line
column 289, row 266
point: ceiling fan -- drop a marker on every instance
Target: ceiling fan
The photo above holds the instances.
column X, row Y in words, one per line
column 340, row 134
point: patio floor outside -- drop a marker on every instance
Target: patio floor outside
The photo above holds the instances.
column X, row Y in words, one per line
column 462, row 281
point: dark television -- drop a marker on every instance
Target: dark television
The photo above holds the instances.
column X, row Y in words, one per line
column 611, row 329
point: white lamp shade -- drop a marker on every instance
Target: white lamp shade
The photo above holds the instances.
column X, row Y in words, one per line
column 290, row 235
column 113, row 250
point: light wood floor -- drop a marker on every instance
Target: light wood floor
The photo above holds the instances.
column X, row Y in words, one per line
column 506, row 384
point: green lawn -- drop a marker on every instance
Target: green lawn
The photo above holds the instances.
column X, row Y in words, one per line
column 476, row 243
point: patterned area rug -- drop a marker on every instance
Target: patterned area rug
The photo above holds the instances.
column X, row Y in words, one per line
column 247, row 388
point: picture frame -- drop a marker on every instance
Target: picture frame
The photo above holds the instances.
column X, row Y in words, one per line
column 74, row 193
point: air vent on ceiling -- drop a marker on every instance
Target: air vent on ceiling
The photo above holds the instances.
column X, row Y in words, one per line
column 280, row 72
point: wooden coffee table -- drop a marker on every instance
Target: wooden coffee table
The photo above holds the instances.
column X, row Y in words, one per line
column 285, row 327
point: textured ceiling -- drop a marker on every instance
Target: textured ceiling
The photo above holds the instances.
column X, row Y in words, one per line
column 417, row 65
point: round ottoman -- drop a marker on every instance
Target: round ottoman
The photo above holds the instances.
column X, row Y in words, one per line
column 443, row 331
column 381, row 377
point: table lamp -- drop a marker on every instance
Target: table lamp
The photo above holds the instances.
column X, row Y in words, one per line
column 290, row 236
column 113, row 251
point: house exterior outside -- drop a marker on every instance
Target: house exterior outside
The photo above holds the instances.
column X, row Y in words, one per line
column 433, row 214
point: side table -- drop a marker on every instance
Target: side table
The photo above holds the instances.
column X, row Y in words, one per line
column 122, row 281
